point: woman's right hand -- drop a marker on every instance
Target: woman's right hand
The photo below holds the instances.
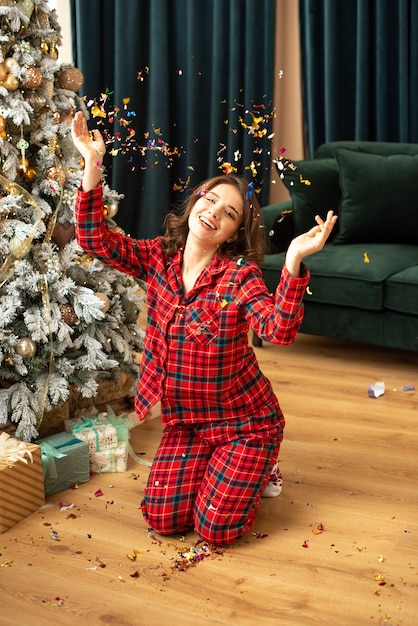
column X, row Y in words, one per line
column 91, row 147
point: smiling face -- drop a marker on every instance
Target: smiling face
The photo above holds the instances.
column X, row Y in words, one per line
column 216, row 216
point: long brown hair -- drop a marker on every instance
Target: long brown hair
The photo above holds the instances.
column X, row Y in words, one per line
column 250, row 242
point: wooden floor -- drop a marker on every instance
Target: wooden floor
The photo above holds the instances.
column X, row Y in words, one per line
column 338, row 547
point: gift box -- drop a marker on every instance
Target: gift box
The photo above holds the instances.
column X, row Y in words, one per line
column 22, row 480
column 112, row 460
column 96, row 431
column 66, row 462
column 123, row 426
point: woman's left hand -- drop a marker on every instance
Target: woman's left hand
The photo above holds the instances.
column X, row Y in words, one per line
column 308, row 243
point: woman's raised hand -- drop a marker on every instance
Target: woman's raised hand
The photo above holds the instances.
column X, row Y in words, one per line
column 310, row 242
column 92, row 148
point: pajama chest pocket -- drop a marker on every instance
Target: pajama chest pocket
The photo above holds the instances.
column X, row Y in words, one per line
column 202, row 326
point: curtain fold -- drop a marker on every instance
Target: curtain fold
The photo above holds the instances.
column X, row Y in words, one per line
column 197, row 75
column 359, row 70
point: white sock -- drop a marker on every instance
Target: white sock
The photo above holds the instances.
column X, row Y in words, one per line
column 274, row 485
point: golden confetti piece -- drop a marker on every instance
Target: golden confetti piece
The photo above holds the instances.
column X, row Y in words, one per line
column 7, row 564
column 366, row 258
column 379, row 578
column 223, row 303
column 380, row 558
column 97, row 112
column 308, row 291
column 305, row 181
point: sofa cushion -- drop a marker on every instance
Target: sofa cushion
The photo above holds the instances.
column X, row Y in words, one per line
column 401, row 291
column 314, row 189
column 379, row 200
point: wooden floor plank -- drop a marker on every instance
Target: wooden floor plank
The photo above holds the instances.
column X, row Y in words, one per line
column 350, row 468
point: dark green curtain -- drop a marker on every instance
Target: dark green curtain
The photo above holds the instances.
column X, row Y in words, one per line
column 359, row 70
column 196, row 73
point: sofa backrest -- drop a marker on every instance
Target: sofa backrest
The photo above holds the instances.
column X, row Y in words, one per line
column 372, row 186
column 385, row 148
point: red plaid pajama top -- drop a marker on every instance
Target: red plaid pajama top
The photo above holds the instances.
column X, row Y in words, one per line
column 196, row 355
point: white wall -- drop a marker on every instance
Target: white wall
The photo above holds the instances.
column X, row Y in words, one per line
column 64, row 18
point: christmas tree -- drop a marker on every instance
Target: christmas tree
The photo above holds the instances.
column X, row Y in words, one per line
column 66, row 320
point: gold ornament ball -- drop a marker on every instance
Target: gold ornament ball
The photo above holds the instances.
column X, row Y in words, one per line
column 71, row 79
column 10, row 63
column 33, row 78
column 11, row 82
column 25, row 347
column 106, row 302
column 57, row 173
column 2, row 123
column 36, row 101
column 30, row 173
column 3, row 73
column 68, row 315
column 84, row 260
column 44, row 47
column 110, row 209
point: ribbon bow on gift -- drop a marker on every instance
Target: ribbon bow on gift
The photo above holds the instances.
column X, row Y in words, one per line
column 88, row 422
column 122, row 426
column 49, row 454
column 13, row 450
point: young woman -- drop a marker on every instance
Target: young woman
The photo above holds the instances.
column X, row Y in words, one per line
column 222, row 423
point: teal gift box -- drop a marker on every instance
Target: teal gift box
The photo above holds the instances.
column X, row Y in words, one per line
column 65, row 462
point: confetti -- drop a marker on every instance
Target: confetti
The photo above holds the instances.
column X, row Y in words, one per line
column 376, row 389
column 195, row 554
column 98, row 493
column 319, row 529
column 366, row 258
column 379, row 578
column 153, row 149
column 228, row 168
column 66, row 507
column 305, row 181
column 132, row 557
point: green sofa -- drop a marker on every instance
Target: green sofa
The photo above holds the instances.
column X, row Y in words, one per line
column 364, row 283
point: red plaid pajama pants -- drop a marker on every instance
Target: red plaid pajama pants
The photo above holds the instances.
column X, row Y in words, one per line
column 209, row 477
